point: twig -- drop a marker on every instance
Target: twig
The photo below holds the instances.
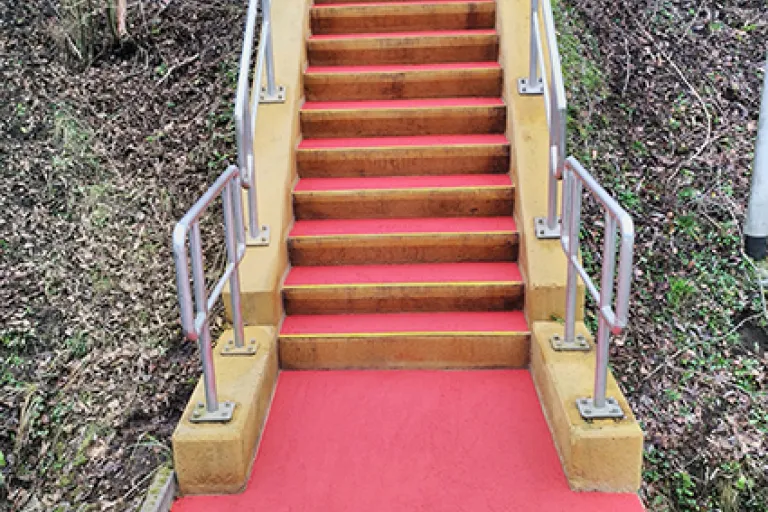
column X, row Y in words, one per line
column 177, row 66
column 626, row 78
column 708, row 138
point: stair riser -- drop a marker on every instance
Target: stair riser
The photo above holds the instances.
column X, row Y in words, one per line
column 372, row 204
column 403, row 18
column 423, row 248
column 459, row 83
column 403, row 122
column 395, row 299
column 404, row 352
column 403, row 161
column 412, row 50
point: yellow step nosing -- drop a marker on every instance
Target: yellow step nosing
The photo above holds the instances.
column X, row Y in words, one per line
column 406, row 333
column 404, row 285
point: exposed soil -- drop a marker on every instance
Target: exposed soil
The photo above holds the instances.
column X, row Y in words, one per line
column 99, row 159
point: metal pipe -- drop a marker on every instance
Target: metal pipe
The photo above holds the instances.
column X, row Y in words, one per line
column 756, row 228
column 267, row 27
column 231, row 243
column 606, row 297
column 533, row 60
column 552, row 219
column 201, row 301
column 571, row 196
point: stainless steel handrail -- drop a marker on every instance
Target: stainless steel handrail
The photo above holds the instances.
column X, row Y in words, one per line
column 543, row 50
column 195, row 313
column 612, row 312
column 247, row 104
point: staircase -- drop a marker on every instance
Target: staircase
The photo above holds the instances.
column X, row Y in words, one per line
column 403, row 252
column 404, row 247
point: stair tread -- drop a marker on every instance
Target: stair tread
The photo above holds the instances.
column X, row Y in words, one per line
column 398, row 4
column 490, row 139
column 412, row 273
column 402, row 104
column 399, row 226
column 401, row 68
column 405, row 35
column 471, row 181
column 406, row 323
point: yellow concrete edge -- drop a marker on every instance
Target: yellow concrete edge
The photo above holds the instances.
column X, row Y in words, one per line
column 275, row 141
column 542, row 262
column 602, row 455
column 216, row 458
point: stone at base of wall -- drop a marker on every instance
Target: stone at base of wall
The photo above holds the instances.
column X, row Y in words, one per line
column 602, row 455
column 215, row 458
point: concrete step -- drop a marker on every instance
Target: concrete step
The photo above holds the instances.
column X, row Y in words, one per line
column 412, row 196
column 403, row 81
column 444, row 116
column 403, row 48
column 420, row 287
column 409, row 240
column 495, row 339
column 350, row 18
column 403, row 156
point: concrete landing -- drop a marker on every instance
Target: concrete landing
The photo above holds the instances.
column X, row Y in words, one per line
column 407, row 441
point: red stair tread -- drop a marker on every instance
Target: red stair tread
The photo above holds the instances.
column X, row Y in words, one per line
column 415, row 141
column 407, row 441
column 399, row 104
column 502, row 272
column 409, row 2
column 396, row 35
column 333, row 227
column 403, row 182
column 383, row 323
column 402, row 68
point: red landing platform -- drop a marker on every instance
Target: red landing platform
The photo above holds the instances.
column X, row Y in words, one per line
column 399, row 441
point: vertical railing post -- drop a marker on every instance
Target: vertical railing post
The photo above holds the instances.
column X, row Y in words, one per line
column 532, row 84
column 756, row 228
column 571, row 207
column 232, row 249
column 212, row 410
column 271, row 93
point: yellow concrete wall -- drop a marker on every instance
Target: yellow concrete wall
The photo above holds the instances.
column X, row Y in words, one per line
column 275, row 141
column 542, row 262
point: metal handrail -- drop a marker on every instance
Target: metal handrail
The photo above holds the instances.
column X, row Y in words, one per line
column 194, row 314
column 543, row 50
column 612, row 312
column 246, row 107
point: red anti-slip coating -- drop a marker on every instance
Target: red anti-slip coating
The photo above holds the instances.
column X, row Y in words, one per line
column 407, row 441
column 401, row 68
column 400, row 104
column 403, row 182
column 332, row 227
column 410, row 273
column 382, row 323
column 397, row 35
column 390, row 4
column 417, row 140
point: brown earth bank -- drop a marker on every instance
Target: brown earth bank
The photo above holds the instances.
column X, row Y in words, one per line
column 103, row 148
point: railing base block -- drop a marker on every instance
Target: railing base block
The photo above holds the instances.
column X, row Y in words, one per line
column 543, row 231
column 588, row 410
column 578, row 344
column 248, row 349
column 221, row 415
column 525, row 88
column 278, row 97
column 262, row 240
